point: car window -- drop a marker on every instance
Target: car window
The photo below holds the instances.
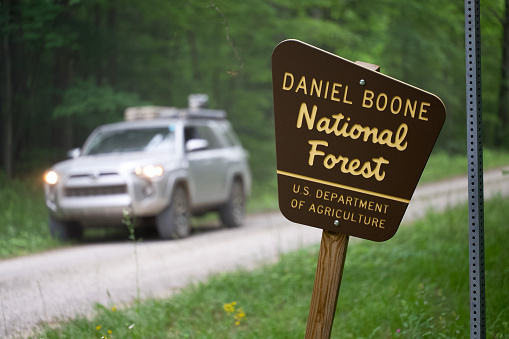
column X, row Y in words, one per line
column 230, row 137
column 202, row 132
column 132, row 140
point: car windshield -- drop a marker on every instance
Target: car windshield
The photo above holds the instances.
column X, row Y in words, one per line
column 155, row 139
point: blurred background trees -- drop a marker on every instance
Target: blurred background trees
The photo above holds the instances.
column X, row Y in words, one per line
column 67, row 66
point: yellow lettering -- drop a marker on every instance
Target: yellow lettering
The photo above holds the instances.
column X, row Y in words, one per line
column 335, row 91
column 356, row 131
column 314, row 85
column 349, row 201
column 323, row 125
column 345, row 100
column 288, row 76
column 410, row 108
column 378, row 107
column 326, row 90
column 422, row 111
column 379, row 162
column 302, row 85
column 400, row 137
column 368, row 99
column 313, row 152
column 347, row 166
column 400, row 103
column 385, row 137
column 330, row 161
column 310, row 119
column 354, row 164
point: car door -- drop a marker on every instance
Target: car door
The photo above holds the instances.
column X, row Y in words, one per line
column 207, row 166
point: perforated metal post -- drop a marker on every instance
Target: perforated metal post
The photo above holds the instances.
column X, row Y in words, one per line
column 475, row 168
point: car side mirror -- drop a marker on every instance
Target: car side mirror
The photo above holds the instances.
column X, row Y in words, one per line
column 196, row 145
column 74, row 153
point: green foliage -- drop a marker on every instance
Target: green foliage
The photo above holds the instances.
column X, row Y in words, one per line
column 89, row 105
column 85, row 98
column 87, row 60
column 413, row 286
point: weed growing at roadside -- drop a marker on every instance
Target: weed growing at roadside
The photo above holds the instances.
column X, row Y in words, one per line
column 129, row 221
column 112, row 316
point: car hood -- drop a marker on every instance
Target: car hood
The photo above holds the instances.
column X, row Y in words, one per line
column 119, row 162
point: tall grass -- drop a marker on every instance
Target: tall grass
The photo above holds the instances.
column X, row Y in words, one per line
column 413, row 286
column 442, row 165
column 23, row 218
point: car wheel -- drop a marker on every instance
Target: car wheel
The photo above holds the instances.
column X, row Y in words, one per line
column 63, row 230
column 174, row 221
column 232, row 213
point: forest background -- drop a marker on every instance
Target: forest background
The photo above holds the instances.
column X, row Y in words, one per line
column 67, row 66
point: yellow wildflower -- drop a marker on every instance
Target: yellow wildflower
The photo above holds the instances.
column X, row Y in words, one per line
column 98, row 327
column 237, row 313
column 229, row 308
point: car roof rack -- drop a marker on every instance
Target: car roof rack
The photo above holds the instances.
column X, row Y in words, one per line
column 161, row 112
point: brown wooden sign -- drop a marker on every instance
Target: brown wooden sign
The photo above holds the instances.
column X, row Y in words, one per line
column 351, row 143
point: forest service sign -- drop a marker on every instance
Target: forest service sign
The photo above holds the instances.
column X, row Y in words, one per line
column 351, row 143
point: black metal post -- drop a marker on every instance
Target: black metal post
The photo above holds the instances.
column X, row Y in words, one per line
column 475, row 168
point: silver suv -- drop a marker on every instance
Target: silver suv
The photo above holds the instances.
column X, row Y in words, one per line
column 162, row 165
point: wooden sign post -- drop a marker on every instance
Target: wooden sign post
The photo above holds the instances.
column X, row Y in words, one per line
column 329, row 272
column 351, row 145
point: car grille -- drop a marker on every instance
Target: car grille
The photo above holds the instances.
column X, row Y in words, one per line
column 95, row 191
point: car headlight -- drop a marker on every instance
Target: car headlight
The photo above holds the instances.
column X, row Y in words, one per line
column 149, row 171
column 51, row 177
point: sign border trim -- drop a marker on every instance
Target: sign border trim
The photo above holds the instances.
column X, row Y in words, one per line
column 349, row 188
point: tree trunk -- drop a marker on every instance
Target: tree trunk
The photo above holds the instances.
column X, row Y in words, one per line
column 195, row 64
column 7, row 116
column 63, row 73
column 503, row 97
column 112, row 55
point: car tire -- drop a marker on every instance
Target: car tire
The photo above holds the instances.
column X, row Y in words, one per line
column 63, row 230
column 174, row 221
column 232, row 213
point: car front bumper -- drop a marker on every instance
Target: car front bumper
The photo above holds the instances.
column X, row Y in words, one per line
column 103, row 201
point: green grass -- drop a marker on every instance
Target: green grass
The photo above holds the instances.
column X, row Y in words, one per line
column 24, row 220
column 412, row 286
column 24, row 217
column 442, row 165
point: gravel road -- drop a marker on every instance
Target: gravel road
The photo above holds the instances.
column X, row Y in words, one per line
column 60, row 284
